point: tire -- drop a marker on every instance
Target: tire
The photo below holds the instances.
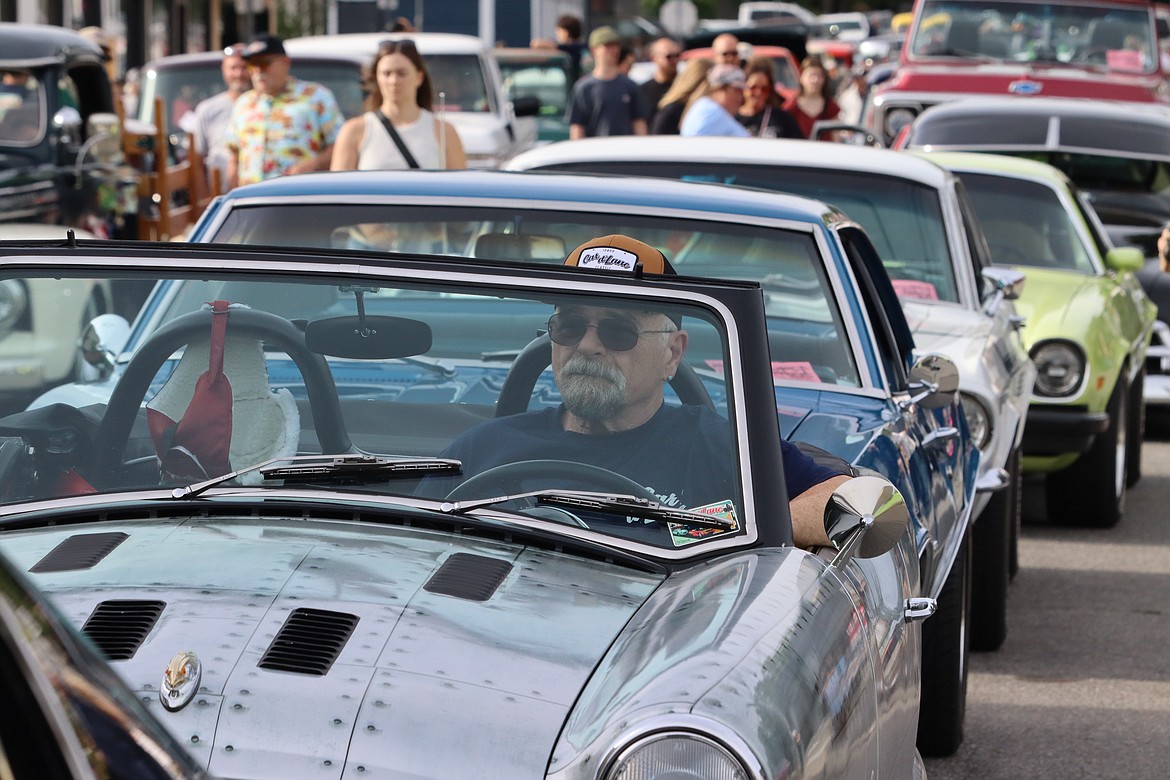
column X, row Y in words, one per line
column 1137, row 430
column 1091, row 492
column 945, row 647
column 991, row 553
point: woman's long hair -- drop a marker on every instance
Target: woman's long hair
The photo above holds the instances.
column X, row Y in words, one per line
column 424, row 97
column 814, row 61
column 689, row 80
column 763, row 65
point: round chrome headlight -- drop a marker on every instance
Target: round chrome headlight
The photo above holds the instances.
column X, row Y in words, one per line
column 978, row 419
column 676, row 756
column 1060, row 368
column 896, row 119
column 13, row 304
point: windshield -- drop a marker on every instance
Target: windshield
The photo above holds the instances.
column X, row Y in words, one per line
column 1111, row 36
column 904, row 219
column 184, row 87
column 810, row 341
column 225, row 371
column 460, row 80
column 1047, row 237
column 546, row 80
column 22, row 108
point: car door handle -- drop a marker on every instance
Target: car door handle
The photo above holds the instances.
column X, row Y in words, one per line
column 920, row 608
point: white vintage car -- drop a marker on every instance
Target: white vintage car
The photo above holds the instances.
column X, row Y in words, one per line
column 922, row 225
column 40, row 320
column 308, row 531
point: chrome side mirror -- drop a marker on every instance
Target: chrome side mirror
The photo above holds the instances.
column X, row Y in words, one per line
column 864, row 518
column 1006, row 283
column 67, row 121
column 101, row 342
column 934, row 382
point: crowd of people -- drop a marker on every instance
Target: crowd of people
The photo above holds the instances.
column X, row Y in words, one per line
column 730, row 93
column 268, row 123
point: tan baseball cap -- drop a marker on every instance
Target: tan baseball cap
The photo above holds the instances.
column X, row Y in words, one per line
column 619, row 253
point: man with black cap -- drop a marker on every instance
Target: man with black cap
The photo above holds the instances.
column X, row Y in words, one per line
column 282, row 125
column 611, row 366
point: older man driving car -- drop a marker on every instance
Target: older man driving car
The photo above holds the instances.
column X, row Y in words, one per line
column 610, row 366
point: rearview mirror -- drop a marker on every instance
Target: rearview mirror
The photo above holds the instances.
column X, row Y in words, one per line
column 368, row 338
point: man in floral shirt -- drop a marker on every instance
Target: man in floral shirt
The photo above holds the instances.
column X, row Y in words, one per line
column 282, row 125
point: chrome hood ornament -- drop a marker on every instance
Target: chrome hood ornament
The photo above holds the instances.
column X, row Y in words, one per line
column 180, row 681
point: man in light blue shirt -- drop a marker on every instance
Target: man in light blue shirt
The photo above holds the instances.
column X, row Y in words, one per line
column 715, row 112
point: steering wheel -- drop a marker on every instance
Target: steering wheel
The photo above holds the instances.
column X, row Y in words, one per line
column 1008, row 254
column 537, row 356
column 510, row 477
column 114, row 431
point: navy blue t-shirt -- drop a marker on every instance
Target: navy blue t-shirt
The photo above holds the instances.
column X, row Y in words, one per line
column 682, row 453
column 607, row 107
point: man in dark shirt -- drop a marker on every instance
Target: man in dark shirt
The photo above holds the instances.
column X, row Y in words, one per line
column 664, row 53
column 610, row 365
column 606, row 102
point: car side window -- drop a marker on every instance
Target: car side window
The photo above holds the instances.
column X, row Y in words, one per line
column 894, row 339
column 976, row 239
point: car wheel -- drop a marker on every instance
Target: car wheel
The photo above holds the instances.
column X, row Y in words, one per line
column 991, row 540
column 1091, row 492
column 1137, row 430
column 945, row 645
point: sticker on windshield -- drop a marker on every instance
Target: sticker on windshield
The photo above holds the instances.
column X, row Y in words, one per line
column 782, row 370
column 912, row 288
column 682, row 534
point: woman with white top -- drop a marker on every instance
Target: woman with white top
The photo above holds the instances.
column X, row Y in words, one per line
column 400, row 105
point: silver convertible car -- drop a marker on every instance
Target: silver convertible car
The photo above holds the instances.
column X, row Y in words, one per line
column 839, row 344
column 321, row 548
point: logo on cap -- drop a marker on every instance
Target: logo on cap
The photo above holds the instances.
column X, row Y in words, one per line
column 607, row 258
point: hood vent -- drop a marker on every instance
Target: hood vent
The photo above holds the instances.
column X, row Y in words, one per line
column 471, row 577
column 83, row 551
column 119, row 628
column 309, row 641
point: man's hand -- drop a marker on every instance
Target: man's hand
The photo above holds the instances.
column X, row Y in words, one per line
column 808, row 513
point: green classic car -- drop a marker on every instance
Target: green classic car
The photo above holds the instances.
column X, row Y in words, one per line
column 1088, row 325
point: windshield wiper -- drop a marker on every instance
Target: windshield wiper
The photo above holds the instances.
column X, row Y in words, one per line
column 312, row 468
column 611, row 503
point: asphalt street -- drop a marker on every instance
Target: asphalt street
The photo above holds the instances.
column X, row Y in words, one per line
column 1081, row 687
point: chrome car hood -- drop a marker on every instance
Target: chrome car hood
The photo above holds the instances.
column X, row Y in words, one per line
column 442, row 628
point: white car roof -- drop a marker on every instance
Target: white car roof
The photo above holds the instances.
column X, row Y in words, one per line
column 766, row 151
column 348, row 43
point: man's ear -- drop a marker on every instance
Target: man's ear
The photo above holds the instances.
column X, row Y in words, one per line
column 677, row 346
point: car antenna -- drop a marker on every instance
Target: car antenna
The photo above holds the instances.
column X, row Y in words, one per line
column 71, row 238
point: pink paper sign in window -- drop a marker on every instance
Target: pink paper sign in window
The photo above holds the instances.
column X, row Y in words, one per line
column 912, row 288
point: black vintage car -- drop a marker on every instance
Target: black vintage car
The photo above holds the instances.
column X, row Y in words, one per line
column 55, row 99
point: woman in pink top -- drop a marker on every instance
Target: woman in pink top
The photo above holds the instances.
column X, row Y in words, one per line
column 813, row 102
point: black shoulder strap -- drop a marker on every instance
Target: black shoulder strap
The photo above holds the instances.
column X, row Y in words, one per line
column 397, row 139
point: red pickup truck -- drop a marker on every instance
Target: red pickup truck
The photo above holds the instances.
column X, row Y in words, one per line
column 1101, row 49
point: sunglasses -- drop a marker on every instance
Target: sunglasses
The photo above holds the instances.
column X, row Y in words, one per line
column 732, row 53
column 235, row 50
column 617, row 335
column 393, row 47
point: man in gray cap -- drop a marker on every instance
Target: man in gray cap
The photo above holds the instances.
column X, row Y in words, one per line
column 715, row 112
column 606, row 102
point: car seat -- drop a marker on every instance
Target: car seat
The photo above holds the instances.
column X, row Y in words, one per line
column 216, row 413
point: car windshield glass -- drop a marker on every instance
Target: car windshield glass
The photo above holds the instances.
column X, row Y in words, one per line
column 460, row 80
column 1027, row 224
column 224, row 372
column 22, row 108
column 1114, row 36
column 546, row 80
column 903, row 218
column 183, row 87
column 810, row 341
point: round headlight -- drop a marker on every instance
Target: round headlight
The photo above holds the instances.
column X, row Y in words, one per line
column 13, row 303
column 978, row 420
column 1060, row 368
column 676, row 757
column 897, row 118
